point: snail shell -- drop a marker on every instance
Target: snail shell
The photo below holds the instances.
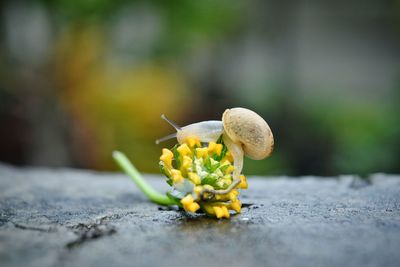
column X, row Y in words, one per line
column 249, row 129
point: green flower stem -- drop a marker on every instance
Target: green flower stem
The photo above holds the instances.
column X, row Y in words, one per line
column 149, row 191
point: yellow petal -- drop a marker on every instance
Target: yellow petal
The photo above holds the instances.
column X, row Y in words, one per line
column 186, row 164
column 193, row 207
column 236, row 206
column 211, row 147
column 209, row 209
column 224, row 161
column 218, row 212
column 232, row 195
column 176, row 176
column 218, row 149
column 228, row 156
column 229, row 169
column 187, row 200
column 225, row 211
column 197, row 190
column 243, row 182
column 221, row 212
column 184, row 150
column 167, row 157
column 201, row 152
column 194, row 177
column 192, row 141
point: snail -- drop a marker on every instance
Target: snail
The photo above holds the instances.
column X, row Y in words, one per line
column 243, row 131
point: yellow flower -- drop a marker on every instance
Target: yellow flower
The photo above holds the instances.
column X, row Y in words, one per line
column 189, row 204
column 167, row 157
column 195, row 162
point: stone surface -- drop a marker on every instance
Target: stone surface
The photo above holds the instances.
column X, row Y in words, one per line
column 66, row 217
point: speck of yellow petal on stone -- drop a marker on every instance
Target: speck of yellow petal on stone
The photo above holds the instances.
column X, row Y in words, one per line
column 167, row 157
column 189, row 204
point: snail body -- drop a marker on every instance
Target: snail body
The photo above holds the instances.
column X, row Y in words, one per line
column 244, row 132
column 206, row 131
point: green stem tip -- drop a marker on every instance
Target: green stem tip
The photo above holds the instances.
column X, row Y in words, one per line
column 144, row 186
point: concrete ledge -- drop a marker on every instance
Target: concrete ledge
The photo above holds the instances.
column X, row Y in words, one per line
column 64, row 217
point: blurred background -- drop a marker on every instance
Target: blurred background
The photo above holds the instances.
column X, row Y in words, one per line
column 80, row 78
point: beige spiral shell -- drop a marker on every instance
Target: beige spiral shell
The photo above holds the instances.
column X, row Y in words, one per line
column 250, row 130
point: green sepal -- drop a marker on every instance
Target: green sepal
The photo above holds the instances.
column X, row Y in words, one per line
column 224, row 167
column 211, row 164
column 166, row 173
column 176, row 162
column 223, row 151
column 210, row 180
column 223, row 186
column 164, row 170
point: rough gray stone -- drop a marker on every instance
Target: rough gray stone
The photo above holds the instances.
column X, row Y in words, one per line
column 63, row 217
